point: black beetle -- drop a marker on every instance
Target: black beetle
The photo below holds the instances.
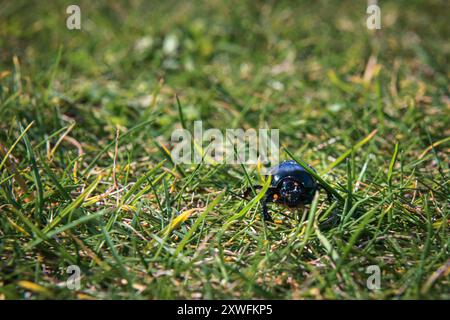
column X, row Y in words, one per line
column 291, row 186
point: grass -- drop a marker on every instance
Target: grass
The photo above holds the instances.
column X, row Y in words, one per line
column 86, row 119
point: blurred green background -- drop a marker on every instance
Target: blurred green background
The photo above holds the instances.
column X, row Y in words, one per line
column 311, row 69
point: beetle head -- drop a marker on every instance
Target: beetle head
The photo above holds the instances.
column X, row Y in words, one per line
column 292, row 193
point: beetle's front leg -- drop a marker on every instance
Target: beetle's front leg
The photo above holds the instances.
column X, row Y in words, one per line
column 268, row 197
column 265, row 212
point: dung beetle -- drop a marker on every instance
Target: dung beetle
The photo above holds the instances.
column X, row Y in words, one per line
column 291, row 186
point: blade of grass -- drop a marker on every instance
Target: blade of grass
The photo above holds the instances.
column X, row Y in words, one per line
column 68, row 226
column 113, row 143
column 22, row 134
column 36, row 177
column 74, row 205
column 310, row 223
column 197, row 222
column 249, row 206
column 354, row 148
column 116, row 257
column 391, row 164
column 180, row 113
column 139, row 182
column 327, row 245
column 362, row 223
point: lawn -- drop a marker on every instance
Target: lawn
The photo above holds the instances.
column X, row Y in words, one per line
column 88, row 185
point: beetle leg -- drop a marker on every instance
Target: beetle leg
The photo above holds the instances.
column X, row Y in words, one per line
column 249, row 190
column 265, row 211
column 268, row 197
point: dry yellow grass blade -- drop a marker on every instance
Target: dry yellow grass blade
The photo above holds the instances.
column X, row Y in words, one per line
column 83, row 296
column 36, row 288
column 4, row 74
column 443, row 271
column 434, row 145
column 177, row 221
column 17, row 227
column 51, row 153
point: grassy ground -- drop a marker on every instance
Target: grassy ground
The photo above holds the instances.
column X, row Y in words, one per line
column 85, row 116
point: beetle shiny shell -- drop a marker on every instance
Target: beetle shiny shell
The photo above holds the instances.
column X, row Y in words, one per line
column 291, row 185
column 293, row 181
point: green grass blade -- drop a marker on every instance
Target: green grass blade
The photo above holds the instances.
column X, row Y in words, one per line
column 74, row 205
column 139, row 182
column 357, row 146
column 66, row 227
column 392, row 164
column 197, row 222
column 22, row 134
